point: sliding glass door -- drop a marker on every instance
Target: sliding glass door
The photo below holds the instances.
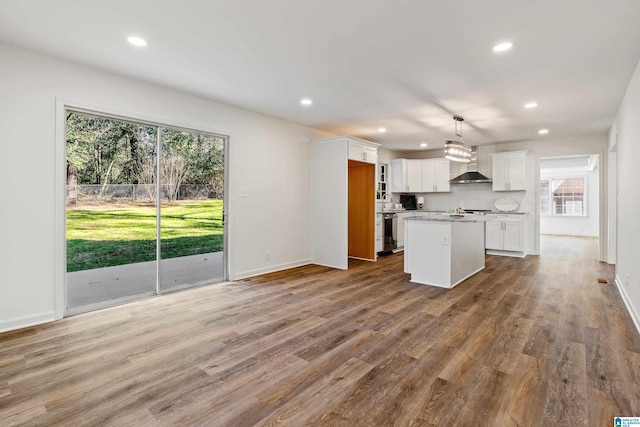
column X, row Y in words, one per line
column 130, row 234
column 192, row 206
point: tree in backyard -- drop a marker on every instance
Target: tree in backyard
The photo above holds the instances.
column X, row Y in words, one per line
column 106, row 150
column 147, row 180
column 174, row 169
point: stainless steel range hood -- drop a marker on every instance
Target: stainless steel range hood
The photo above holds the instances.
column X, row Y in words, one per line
column 471, row 176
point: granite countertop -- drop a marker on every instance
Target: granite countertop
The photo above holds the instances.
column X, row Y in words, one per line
column 416, row 212
column 448, row 218
column 506, row 213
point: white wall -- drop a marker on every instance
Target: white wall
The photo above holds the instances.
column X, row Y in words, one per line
column 627, row 128
column 588, row 225
column 268, row 156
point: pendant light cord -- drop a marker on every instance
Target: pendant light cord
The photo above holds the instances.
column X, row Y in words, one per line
column 458, row 122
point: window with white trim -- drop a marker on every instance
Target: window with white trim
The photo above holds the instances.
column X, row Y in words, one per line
column 563, row 196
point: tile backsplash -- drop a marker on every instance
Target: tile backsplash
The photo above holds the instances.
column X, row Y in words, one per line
column 469, row 196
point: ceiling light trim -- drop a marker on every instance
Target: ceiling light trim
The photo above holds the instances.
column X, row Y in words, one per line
column 502, row 47
column 137, row 41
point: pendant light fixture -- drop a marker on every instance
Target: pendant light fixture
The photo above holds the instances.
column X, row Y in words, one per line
column 457, row 151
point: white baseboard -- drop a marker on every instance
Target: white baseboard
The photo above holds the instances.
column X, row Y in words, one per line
column 635, row 316
column 24, row 322
column 569, row 234
column 506, row 253
column 271, row 269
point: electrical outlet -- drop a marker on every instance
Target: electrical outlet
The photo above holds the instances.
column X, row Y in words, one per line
column 267, row 256
column 445, row 241
column 243, row 192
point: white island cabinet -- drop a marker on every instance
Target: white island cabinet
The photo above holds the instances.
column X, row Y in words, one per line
column 443, row 251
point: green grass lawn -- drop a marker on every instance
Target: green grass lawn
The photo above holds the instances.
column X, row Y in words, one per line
column 107, row 236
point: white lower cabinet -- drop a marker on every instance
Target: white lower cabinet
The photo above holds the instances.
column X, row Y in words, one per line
column 505, row 233
column 379, row 233
column 493, row 235
column 513, row 238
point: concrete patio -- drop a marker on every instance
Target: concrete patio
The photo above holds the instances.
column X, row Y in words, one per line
column 101, row 287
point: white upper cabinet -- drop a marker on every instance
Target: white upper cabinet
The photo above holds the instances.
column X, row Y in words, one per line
column 420, row 175
column 442, row 171
column 414, row 176
column 429, row 177
column 509, row 171
column 406, row 176
column 362, row 153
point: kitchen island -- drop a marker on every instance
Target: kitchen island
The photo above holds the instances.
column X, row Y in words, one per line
column 443, row 250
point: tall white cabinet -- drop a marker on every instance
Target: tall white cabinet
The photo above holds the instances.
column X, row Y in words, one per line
column 338, row 164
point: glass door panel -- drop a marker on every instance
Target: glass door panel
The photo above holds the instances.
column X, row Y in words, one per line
column 191, row 212
column 111, row 211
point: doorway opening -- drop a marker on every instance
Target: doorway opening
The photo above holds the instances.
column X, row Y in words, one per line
column 569, row 192
column 144, row 210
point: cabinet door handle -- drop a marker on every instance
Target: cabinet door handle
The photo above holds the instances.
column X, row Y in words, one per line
column 435, row 188
column 407, row 188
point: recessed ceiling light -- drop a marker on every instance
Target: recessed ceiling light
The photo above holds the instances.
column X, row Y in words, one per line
column 501, row 47
column 424, row 144
column 382, row 130
column 543, row 131
column 137, row 41
column 531, row 105
column 306, row 102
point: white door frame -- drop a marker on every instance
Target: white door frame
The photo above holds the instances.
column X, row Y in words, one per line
column 60, row 238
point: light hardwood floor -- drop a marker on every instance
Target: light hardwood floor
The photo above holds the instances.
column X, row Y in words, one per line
column 526, row 342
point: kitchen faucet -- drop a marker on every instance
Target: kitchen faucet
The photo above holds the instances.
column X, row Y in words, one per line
column 383, row 200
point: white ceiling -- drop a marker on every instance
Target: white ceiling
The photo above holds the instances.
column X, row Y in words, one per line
column 407, row 65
